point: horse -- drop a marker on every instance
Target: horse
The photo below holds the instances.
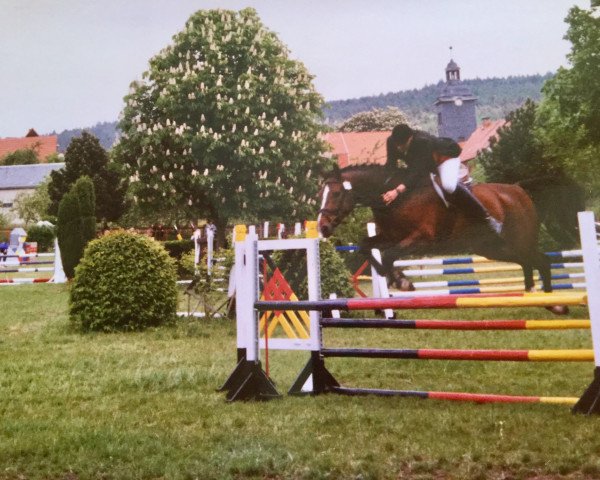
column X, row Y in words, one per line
column 421, row 223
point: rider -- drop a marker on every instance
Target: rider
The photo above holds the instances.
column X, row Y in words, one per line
column 424, row 154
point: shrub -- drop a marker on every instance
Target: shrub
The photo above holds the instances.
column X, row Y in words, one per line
column 43, row 235
column 335, row 277
column 177, row 249
column 76, row 223
column 124, row 282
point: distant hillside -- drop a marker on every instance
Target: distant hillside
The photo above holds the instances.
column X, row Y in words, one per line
column 496, row 98
column 105, row 131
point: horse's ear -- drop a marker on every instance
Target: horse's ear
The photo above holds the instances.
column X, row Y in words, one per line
column 334, row 171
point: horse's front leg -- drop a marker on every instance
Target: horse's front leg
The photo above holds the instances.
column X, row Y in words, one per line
column 365, row 248
column 390, row 251
column 395, row 275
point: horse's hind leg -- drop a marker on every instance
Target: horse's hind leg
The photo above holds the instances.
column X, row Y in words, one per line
column 542, row 263
column 528, row 276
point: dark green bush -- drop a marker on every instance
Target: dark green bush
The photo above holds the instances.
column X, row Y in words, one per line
column 68, row 232
column 124, row 282
column 335, row 277
column 76, row 224
column 43, row 235
column 177, row 249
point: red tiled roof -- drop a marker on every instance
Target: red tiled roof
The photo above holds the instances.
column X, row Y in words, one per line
column 43, row 145
column 352, row 148
column 480, row 139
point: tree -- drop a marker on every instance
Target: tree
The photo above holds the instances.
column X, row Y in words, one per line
column 32, row 207
column 24, row 156
column 570, row 109
column 224, row 126
column 86, row 157
column 374, row 120
column 76, row 224
column 517, row 154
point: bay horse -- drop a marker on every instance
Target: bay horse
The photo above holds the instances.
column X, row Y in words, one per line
column 420, row 223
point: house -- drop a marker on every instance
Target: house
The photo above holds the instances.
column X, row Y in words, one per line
column 480, row 140
column 357, row 148
column 16, row 179
column 43, row 145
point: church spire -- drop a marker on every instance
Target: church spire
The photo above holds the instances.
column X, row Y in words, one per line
column 452, row 71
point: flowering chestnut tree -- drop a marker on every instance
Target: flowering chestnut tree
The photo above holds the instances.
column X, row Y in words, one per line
column 224, row 125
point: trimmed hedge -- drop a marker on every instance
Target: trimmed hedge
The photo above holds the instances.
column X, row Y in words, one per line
column 76, row 224
column 124, row 282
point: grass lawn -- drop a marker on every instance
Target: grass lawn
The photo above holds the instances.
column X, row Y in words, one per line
column 144, row 405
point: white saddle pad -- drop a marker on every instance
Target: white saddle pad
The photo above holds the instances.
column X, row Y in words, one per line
column 438, row 189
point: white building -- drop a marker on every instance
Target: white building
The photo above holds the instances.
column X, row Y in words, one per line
column 16, row 179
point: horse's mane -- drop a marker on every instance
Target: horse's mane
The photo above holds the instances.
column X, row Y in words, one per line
column 377, row 171
column 366, row 167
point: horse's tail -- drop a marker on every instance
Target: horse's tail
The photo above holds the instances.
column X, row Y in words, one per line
column 557, row 201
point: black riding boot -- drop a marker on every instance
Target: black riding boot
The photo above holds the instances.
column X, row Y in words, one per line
column 472, row 207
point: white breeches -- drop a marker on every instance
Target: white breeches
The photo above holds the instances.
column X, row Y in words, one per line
column 448, row 173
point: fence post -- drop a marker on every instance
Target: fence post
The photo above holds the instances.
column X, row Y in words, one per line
column 590, row 401
column 380, row 288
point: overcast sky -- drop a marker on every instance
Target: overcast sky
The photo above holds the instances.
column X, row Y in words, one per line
column 68, row 63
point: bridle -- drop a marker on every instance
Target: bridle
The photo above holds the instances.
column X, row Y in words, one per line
column 346, row 191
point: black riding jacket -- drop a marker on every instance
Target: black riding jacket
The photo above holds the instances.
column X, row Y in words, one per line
column 419, row 157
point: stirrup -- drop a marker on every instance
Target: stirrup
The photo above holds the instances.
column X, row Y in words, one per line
column 494, row 224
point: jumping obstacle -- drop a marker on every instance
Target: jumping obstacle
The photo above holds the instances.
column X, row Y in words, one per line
column 464, row 266
column 12, row 264
column 248, row 381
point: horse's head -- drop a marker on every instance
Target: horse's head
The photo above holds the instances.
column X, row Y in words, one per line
column 337, row 201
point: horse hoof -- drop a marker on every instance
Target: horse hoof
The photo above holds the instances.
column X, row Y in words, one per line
column 404, row 285
column 558, row 309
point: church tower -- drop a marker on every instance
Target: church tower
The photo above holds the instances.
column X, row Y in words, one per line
column 455, row 107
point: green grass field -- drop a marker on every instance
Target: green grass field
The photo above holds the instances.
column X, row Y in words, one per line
column 144, row 405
